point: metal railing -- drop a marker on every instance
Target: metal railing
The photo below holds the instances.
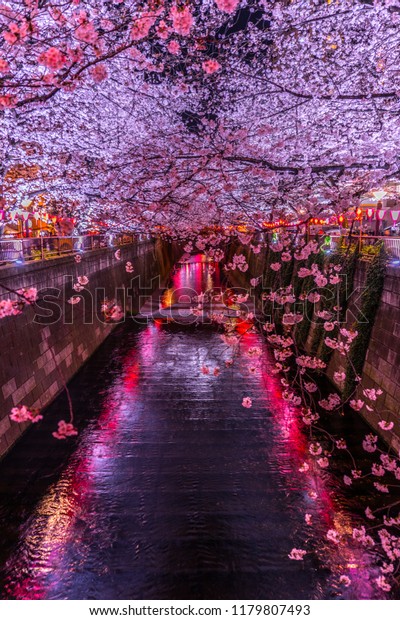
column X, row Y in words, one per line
column 46, row 248
column 392, row 244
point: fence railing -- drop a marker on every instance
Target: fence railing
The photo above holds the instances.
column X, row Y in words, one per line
column 392, row 244
column 45, row 248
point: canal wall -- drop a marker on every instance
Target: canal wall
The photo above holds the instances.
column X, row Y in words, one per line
column 380, row 366
column 45, row 345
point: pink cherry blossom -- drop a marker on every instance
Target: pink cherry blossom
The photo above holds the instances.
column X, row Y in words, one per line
column 303, row 272
column 315, row 449
column 331, row 402
column 297, row 554
column 369, row 443
column 65, row 430
column 74, row 300
column 99, row 73
column 4, row 66
column 182, row 20
column 86, row 32
column 275, row 266
column 211, row 66
column 333, row 536
column 311, row 387
column 345, row 580
column 25, row 414
column 289, row 318
column 369, row 514
column 174, row 47
column 386, row 426
column 16, row 33
column 372, row 394
column 339, row 376
column 163, row 31
column 141, row 26
column 29, row 294
column 377, row 470
column 314, row 297
column 247, row 402
column 383, row 584
column 53, row 58
column 320, row 280
column 228, row 6
column 357, row 405
column 383, row 488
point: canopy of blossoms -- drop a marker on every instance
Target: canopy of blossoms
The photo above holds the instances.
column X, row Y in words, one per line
column 183, row 114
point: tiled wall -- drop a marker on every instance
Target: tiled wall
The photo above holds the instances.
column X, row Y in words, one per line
column 382, row 363
column 35, row 358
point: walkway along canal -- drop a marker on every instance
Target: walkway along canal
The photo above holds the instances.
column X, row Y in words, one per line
column 173, row 489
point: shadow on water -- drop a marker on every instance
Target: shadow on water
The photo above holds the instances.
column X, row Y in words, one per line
column 173, row 489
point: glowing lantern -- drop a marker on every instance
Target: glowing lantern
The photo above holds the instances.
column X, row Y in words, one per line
column 370, row 213
column 395, row 216
column 380, row 214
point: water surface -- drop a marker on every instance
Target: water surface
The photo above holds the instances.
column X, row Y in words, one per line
column 173, row 489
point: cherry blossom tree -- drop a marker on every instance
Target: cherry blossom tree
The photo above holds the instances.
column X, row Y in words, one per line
column 172, row 117
column 181, row 114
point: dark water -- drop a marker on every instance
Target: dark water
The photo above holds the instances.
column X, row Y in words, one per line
column 173, row 489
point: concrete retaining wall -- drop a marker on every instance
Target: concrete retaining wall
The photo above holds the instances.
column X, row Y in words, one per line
column 39, row 353
column 382, row 364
